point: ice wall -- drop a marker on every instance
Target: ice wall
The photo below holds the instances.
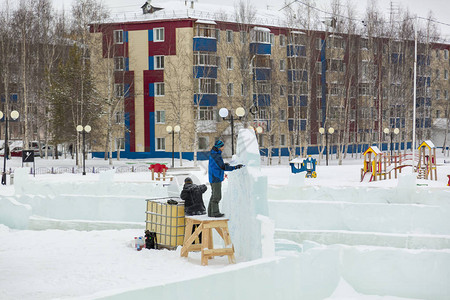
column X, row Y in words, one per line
column 101, row 199
column 245, row 199
column 315, row 274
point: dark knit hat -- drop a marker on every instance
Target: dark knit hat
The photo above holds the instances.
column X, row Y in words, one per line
column 219, row 144
column 188, row 180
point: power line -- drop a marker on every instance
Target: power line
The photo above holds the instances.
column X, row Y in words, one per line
column 354, row 19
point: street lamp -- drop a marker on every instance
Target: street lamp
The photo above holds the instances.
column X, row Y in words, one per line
column 396, row 131
column 83, row 131
column 176, row 129
column 14, row 116
column 323, row 131
column 240, row 112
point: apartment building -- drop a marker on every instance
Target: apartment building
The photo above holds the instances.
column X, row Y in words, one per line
column 290, row 82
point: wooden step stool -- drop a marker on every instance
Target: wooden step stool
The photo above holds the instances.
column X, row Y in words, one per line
column 205, row 227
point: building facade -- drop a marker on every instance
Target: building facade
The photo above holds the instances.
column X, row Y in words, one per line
column 290, row 82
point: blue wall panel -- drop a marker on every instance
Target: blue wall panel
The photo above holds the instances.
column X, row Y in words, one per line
column 150, row 35
column 151, row 90
column 263, row 99
column 206, row 99
column 260, row 48
column 205, row 44
column 151, row 63
column 205, row 72
column 262, row 74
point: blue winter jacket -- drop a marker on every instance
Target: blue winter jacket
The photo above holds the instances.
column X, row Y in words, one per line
column 216, row 166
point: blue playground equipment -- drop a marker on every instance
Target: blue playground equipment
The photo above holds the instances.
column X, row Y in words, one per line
column 304, row 164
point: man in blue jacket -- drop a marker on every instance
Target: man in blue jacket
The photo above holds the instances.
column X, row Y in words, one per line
column 216, row 170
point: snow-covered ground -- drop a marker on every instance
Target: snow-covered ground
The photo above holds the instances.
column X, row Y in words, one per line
column 335, row 237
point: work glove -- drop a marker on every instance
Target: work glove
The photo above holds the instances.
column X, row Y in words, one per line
column 238, row 166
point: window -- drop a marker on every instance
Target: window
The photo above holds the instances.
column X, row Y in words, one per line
column 243, row 90
column 159, row 89
column 282, row 90
column 218, row 89
column 205, row 30
column 438, row 113
column 229, row 63
column 218, row 35
column 282, row 40
column 446, row 74
column 335, row 42
column 207, row 86
column 260, row 35
column 438, row 74
column 272, row 38
column 446, row 54
column 282, row 65
column 364, row 44
column 282, row 115
column 160, row 144
column 319, row 67
column 119, row 63
column 438, row 54
column 203, row 143
column 118, row 36
column 334, row 89
column 119, row 90
column 205, row 59
column 318, row 43
column 446, row 94
column 229, row 36
column 243, row 35
column 119, row 117
column 218, row 62
column 120, row 144
column 282, row 140
column 159, row 62
column 336, row 65
column 158, row 34
column 230, row 91
column 160, row 116
column 206, row 113
column 438, row 94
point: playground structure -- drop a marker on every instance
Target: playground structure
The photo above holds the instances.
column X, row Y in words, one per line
column 380, row 165
column 304, row 164
column 427, row 161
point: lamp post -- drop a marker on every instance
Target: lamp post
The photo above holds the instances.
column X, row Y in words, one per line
column 240, row 112
column 14, row 115
column 326, row 132
column 169, row 130
column 83, row 131
column 386, row 131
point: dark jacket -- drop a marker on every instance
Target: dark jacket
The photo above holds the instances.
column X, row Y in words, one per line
column 216, row 166
column 192, row 196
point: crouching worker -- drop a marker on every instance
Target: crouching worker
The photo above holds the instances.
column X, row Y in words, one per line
column 192, row 194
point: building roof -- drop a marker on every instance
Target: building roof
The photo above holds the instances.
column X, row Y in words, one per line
column 179, row 9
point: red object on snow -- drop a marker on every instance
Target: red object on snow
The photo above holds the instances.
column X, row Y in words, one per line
column 158, row 168
column 448, row 180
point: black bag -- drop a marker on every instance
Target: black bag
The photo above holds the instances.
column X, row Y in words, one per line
column 151, row 240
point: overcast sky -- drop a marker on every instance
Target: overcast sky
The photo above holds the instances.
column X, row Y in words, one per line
column 440, row 8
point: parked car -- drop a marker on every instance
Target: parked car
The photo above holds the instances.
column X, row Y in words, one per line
column 15, row 151
column 50, row 151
